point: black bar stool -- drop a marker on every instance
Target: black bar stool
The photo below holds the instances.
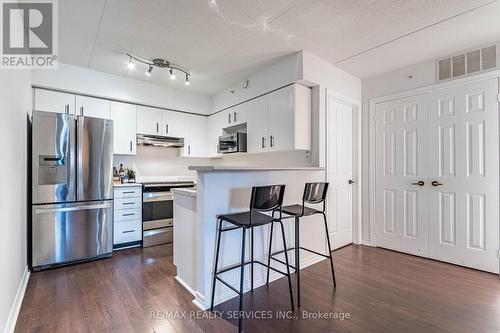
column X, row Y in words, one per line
column 314, row 193
column 263, row 199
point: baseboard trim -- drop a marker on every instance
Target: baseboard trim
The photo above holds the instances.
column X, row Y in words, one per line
column 185, row 285
column 10, row 325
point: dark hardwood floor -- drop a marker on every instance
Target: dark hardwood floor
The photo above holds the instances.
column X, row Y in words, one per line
column 380, row 290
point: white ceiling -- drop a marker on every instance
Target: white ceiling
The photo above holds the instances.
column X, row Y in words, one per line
column 223, row 41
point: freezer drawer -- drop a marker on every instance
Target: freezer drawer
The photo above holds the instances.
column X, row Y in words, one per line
column 63, row 233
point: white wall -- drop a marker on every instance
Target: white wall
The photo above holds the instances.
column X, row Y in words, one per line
column 422, row 74
column 95, row 83
column 159, row 162
column 286, row 71
column 15, row 104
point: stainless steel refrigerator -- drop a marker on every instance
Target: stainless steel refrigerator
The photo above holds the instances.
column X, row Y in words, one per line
column 72, row 189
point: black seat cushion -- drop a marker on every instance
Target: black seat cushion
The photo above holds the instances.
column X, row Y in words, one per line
column 297, row 210
column 243, row 219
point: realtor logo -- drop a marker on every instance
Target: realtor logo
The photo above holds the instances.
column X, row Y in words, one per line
column 29, row 38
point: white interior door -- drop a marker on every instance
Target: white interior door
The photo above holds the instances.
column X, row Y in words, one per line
column 464, row 158
column 401, row 189
column 339, row 172
column 449, row 140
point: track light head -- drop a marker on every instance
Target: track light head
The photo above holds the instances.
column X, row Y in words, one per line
column 150, row 69
column 187, row 80
column 172, row 75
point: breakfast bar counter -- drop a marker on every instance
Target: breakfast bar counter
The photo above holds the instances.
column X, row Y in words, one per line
column 226, row 189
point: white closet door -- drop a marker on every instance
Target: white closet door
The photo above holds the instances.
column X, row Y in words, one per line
column 463, row 153
column 339, row 173
column 401, row 203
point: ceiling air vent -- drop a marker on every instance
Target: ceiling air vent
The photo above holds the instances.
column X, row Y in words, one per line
column 467, row 63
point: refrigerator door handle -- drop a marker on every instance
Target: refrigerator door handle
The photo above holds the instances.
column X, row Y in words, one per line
column 71, row 209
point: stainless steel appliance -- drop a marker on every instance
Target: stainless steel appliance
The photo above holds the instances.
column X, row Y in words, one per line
column 232, row 143
column 159, row 141
column 72, row 189
column 158, row 212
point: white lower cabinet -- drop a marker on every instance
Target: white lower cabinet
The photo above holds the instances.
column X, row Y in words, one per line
column 127, row 216
column 124, row 128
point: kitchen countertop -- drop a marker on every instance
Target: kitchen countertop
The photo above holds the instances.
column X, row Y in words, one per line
column 186, row 191
column 250, row 168
column 127, row 185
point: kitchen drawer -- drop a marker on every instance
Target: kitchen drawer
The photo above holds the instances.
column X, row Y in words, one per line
column 128, row 192
column 158, row 236
column 127, row 214
column 127, row 231
column 128, row 203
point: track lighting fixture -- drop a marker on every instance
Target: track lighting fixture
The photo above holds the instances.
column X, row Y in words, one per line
column 159, row 63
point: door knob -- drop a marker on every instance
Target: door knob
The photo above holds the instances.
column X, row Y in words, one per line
column 351, row 181
column 419, row 183
column 436, row 183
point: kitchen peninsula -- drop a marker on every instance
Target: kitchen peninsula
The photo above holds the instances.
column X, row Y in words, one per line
column 226, row 189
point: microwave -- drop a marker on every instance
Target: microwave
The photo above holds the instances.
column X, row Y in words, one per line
column 232, row 143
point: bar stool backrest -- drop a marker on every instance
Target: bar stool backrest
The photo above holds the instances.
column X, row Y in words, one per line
column 315, row 193
column 267, row 198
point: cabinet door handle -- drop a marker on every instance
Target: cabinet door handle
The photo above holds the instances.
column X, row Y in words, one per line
column 229, row 118
column 128, row 214
column 271, row 141
column 166, row 128
column 189, row 149
column 263, row 142
column 436, row 183
column 128, row 203
column 127, row 231
column 157, row 128
column 130, row 145
column 350, row 182
column 81, row 110
column 66, row 108
column 234, row 116
column 419, row 183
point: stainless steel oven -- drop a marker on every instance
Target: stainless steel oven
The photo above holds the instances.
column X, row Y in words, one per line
column 232, row 143
column 158, row 212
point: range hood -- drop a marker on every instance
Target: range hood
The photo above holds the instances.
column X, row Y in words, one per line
column 159, row 141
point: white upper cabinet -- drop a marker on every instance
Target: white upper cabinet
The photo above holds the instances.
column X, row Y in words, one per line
column 216, row 123
column 289, row 117
column 173, row 123
column 54, row 101
column 149, row 120
column 257, row 125
column 124, row 127
column 195, row 139
column 92, row 107
column 235, row 115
